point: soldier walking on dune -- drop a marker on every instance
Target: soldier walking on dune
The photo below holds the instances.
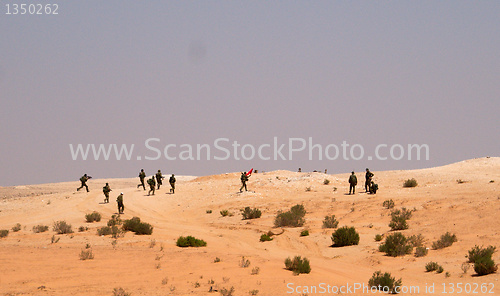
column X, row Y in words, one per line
column 172, row 183
column 353, row 181
column 84, row 180
column 152, row 185
column 142, row 176
column 159, row 178
column 119, row 200
column 244, row 179
column 368, row 179
column 106, row 190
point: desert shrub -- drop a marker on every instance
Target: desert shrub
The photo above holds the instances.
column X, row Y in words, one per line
column 432, row 266
column 304, row 232
column 416, row 240
column 115, row 220
column 410, row 183
column 190, row 241
column 345, row 236
column 244, row 263
column 61, row 227
column 94, row 216
column 137, row 226
column 384, row 282
column 249, row 213
column 120, row 292
column 398, row 219
column 255, row 270
column 440, row 269
column 86, row 254
column 208, row 211
column 226, row 292
column 389, row 204
column 398, row 223
column 114, row 231
column 482, row 259
column 446, row 240
column 421, row 251
column 298, row 265
column 265, row 237
column 404, row 212
column 253, row 292
column 16, row 227
column 378, row 237
column 396, row 244
column 326, row 182
column 330, row 222
column 4, row 233
column 224, row 213
column 308, row 189
column 40, row 228
column 480, row 252
column 485, row 265
column 82, row 228
column 293, row 218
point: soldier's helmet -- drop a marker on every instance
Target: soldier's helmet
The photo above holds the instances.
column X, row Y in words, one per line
column 159, row 171
column 142, row 170
column 172, row 175
column 352, row 172
column 106, row 183
column 367, row 169
column 85, row 175
column 121, row 193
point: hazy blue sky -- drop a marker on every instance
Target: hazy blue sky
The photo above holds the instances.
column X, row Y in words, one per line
column 189, row 72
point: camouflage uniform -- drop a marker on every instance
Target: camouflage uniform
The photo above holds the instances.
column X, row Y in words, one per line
column 244, row 179
column 119, row 200
column 368, row 179
column 373, row 188
column 159, row 178
column 84, row 180
column 172, row 183
column 142, row 175
column 106, row 190
column 353, row 181
column 152, row 184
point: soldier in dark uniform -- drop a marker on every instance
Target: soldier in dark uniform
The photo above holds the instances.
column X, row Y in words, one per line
column 368, row 179
column 152, row 185
column 373, row 188
column 106, row 190
column 119, row 200
column 142, row 175
column 159, row 178
column 84, row 180
column 244, row 179
column 353, row 181
column 172, row 183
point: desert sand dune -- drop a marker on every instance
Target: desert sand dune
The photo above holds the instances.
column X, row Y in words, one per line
column 30, row 264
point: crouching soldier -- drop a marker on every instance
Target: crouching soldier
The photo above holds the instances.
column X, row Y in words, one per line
column 373, row 188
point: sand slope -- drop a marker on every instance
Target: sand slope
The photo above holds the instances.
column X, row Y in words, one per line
column 152, row 265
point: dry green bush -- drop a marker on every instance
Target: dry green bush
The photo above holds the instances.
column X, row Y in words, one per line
column 40, row 228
